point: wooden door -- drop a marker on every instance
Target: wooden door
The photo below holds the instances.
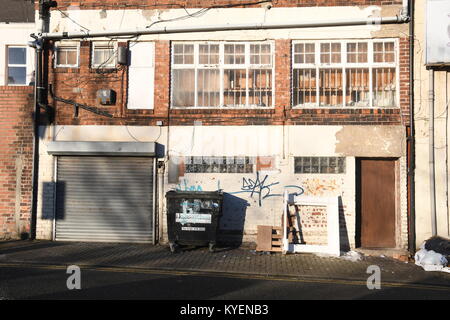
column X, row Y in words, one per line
column 377, row 202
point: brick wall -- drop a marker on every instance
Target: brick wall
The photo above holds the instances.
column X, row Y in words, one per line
column 16, row 154
column 156, row 4
column 81, row 84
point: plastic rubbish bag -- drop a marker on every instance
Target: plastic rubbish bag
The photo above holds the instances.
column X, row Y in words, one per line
column 432, row 258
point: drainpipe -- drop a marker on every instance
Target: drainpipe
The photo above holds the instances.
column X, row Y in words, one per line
column 411, row 139
column 39, row 102
column 431, row 154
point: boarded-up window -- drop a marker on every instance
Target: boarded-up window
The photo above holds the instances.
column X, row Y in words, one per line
column 141, row 75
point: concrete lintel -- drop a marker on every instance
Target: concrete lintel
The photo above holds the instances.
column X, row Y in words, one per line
column 100, row 148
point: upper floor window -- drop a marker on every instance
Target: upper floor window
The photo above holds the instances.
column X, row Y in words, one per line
column 17, row 66
column 350, row 73
column 227, row 74
column 103, row 55
column 67, row 55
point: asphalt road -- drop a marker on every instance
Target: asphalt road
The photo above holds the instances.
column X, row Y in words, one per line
column 50, row 282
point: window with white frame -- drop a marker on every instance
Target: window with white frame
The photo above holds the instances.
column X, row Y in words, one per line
column 17, row 65
column 228, row 74
column 351, row 73
column 67, row 55
column 103, row 55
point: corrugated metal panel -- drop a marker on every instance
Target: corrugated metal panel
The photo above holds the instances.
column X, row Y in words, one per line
column 107, row 199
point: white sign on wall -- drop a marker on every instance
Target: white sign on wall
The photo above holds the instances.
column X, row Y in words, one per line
column 438, row 32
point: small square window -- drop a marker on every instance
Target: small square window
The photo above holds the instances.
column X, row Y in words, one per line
column 66, row 56
column 103, row 56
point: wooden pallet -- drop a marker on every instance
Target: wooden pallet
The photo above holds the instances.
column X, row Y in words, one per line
column 269, row 239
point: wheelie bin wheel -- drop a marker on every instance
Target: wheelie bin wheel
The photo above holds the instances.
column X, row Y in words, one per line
column 173, row 247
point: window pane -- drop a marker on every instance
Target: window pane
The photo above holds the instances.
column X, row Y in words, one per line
column 66, row 56
column 357, row 92
column 357, row 52
column 260, row 88
column 234, row 54
column 104, row 57
column 304, row 53
column 335, row 52
column 260, row 54
column 17, row 56
column 72, row 57
column 208, row 54
column 362, row 49
column 305, row 87
column 17, row 75
column 183, row 86
column 325, row 53
column 384, row 87
column 330, row 87
column 61, row 57
column 235, row 87
column 208, row 88
column 183, row 53
column 384, row 52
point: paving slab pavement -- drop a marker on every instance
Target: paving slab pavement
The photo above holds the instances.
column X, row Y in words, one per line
column 227, row 260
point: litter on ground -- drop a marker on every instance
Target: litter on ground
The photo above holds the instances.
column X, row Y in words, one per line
column 433, row 255
column 352, row 256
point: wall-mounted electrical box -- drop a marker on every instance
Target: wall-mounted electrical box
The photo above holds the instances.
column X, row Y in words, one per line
column 106, row 97
column 122, row 56
column 438, row 32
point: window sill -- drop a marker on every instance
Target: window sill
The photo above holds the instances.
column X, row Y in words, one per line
column 222, row 108
column 342, row 108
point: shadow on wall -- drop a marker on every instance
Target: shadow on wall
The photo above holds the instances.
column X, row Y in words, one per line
column 343, row 232
column 232, row 221
column 48, row 201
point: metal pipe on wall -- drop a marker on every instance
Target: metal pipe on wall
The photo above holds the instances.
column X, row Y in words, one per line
column 431, row 154
column 411, row 138
column 402, row 18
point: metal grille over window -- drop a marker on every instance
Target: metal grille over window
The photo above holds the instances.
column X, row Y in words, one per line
column 323, row 165
column 384, row 87
column 237, row 75
column 358, row 91
column 358, row 74
column 330, row 87
column 219, row 164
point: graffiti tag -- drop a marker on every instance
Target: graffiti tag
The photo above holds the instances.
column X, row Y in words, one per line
column 184, row 186
column 262, row 188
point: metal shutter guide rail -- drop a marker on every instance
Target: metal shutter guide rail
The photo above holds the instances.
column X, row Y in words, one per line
column 100, row 148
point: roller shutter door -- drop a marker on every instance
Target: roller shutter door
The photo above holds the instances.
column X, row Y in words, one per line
column 105, row 199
